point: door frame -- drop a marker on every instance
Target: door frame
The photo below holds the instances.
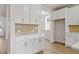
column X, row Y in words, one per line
column 55, row 28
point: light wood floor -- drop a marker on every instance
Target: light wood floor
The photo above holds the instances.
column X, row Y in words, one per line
column 57, row 48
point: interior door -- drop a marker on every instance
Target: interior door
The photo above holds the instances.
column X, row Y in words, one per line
column 60, row 30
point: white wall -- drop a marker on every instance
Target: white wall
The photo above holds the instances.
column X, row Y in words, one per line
column 48, row 33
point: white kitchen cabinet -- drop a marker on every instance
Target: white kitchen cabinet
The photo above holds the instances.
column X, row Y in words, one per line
column 24, row 45
column 19, row 46
column 58, row 14
column 18, row 20
column 17, row 13
column 17, row 10
column 35, row 13
column 71, row 39
column 27, row 14
column 24, row 15
column 20, row 13
column 38, row 44
column 73, row 17
column 28, row 46
column 76, row 45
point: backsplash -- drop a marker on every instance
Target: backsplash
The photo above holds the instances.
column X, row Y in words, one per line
column 26, row 28
column 74, row 28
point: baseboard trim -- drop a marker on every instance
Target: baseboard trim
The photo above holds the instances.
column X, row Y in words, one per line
column 40, row 52
column 59, row 42
column 51, row 41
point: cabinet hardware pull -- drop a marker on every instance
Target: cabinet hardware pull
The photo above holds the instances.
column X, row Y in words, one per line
column 39, row 40
column 25, row 43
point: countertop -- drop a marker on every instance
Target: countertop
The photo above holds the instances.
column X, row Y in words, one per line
column 30, row 35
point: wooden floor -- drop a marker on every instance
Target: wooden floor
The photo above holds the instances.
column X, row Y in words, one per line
column 57, row 48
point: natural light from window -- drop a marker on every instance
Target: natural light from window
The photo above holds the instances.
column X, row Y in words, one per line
column 47, row 23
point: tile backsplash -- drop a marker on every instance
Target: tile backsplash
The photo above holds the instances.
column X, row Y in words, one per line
column 26, row 28
column 74, row 28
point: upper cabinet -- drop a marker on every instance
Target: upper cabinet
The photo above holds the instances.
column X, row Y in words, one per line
column 17, row 13
column 58, row 14
column 2, row 10
column 26, row 13
column 73, row 15
column 17, row 10
column 35, row 13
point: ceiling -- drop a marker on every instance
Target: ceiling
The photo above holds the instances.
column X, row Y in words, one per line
column 55, row 6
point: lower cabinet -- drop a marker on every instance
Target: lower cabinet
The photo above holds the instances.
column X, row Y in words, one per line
column 38, row 45
column 19, row 49
column 28, row 46
column 71, row 39
column 19, row 46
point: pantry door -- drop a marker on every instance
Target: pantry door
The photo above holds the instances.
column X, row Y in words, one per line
column 60, row 30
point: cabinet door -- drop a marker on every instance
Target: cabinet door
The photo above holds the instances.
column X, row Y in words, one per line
column 19, row 46
column 35, row 13
column 18, row 20
column 38, row 12
column 27, row 13
column 22, row 12
column 24, row 45
column 76, row 14
column 73, row 15
column 17, row 10
column 38, row 45
column 28, row 46
column 61, row 13
column 70, row 39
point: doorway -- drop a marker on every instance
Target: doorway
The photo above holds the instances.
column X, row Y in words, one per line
column 59, row 35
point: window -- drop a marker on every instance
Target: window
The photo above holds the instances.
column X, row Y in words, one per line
column 47, row 23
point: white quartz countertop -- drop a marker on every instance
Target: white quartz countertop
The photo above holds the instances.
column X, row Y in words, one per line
column 33, row 35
